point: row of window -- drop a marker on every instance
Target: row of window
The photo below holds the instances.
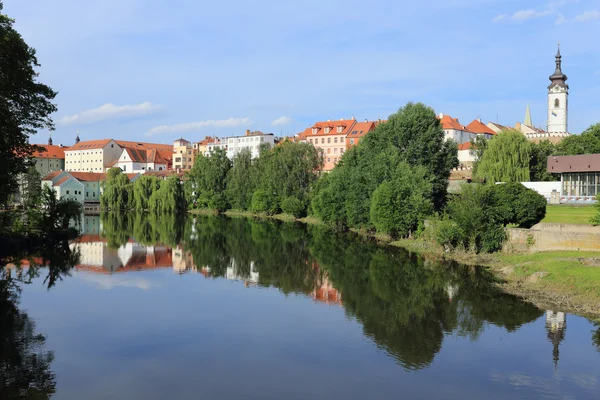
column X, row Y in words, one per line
column 246, row 139
column 335, row 140
column 581, row 184
column 335, row 160
column 335, row 150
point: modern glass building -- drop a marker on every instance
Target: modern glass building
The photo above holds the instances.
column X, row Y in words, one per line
column 579, row 175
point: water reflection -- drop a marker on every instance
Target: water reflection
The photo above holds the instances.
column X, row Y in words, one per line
column 24, row 362
column 409, row 307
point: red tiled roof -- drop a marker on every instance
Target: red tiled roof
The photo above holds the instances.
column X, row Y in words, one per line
column 464, row 146
column 88, row 176
column 90, row 144
column 347, row 125
column 52, row 175
column 144, row 145
column 206, row 141
column 360, row 129
column 50, row 151
column 501, row 127
column 478, row 127
column 452, row 123
column 61, row 180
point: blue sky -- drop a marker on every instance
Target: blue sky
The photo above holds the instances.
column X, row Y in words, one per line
column 156, row 70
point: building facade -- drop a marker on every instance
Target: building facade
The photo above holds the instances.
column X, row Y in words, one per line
column 64, row 186
column 184, row 155
column 579, row 176
column 141, row 161
column 251, row 141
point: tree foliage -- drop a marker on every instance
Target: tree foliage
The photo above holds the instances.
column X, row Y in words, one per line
column 241, row 183
column 506, row 158
column 588, row 142
column 519, row 205
column 25, row 105
column 143, row 188
column 208, row 180
column 398, row 206
column 169, row 198
column 538, row 166
column 413, row 136
column 118, row 191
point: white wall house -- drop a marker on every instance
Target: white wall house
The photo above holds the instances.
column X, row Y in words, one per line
column 252, row 141
column 92, row 156
column 454, row 130
column 466, row 155
column 140, row 161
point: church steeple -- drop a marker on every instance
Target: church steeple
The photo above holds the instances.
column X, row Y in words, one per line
column 77, row 140
column 50, row 140
column 558, row 78
column 527, row 120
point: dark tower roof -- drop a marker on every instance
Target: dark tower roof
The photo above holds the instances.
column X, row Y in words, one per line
column 558, row 78
column 77, row 140
column 50, row 140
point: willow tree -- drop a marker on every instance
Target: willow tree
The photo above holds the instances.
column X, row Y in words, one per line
column 506, row 159
column 169, row 198
column 118, row 191
column 143, row 188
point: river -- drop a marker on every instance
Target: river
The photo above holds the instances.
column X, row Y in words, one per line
column 218, row 308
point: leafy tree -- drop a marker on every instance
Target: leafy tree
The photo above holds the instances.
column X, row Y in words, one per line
column 118, row 191
column 400, row 205
column 586, row 143
column 414, row 136
column 169, row 197
column 538, row 166
column 31, row 188
column 143, row 188
column 208, row 180
column 240, row 181
column 506, row 159
column 25, row 105
column 58, row 214
column 293, row 206
column 478, row 147
column 264, row 202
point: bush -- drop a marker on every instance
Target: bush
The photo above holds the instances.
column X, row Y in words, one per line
column 218, row 202
column 263, row 202
column 293, row 206
column 520, row 205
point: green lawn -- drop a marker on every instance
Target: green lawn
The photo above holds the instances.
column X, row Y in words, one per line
column 564, row 214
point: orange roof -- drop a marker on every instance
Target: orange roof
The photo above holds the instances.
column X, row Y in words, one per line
column 206, row 141
column 145, row 146
column 361, row 128
column 52, row 175
column 501, row 127
column 346, row 124
column 90, row 144
column 50, row 151
column 451, row 123
column 88, row 176
column 61, row 180
column 464, row 146
column 479, row 127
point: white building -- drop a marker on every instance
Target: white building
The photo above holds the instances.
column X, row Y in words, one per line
column 251, row 141
column 558, row 96
column 140, row 161
column 454, row 130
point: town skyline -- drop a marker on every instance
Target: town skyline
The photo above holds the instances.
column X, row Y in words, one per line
column 143, row 72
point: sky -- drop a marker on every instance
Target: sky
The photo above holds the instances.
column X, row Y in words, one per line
column 157, row 70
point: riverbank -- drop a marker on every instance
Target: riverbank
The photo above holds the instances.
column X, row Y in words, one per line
column 562, row 280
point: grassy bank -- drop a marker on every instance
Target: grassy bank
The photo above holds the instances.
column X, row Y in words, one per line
column 566, row 281
column 566, row 214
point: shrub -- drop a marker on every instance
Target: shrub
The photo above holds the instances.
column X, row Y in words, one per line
column 520, row 205
column 293, row 206
column 263, row 202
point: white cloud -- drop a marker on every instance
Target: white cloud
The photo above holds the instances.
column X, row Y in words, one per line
column 283, row 120
column 588, row 16
column 560, row 19
column 109, row 111
column 499, row 18
column 194, row 126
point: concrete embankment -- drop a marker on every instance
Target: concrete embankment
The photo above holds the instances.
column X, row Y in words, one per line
column 554, row 237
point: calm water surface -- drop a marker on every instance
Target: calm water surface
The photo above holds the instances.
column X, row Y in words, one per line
column 215, row 308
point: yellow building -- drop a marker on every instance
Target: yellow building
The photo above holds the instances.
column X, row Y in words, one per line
column 183, row 155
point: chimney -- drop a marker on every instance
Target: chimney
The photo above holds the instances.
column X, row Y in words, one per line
column 441, row 115
column 479, row 119
column 366, row 120
column 247, row 132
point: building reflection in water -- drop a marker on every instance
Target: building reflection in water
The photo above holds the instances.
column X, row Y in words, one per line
column 556, row 326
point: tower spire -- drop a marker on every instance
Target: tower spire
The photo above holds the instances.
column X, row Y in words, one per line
column 558, row 78
column 50, row 139
column 527, row 120
column 77, row 140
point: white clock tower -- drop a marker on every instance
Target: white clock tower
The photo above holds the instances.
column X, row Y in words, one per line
column 558, row 96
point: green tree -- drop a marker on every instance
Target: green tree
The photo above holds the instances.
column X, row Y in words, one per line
column 519, row 205
column 506, row 158
column 400, row 205
column 118, row 191
column 412, row 135
column 143, row 188
column 25, row 105
column 478, row 147
column 538, row 166
column 241, row 182
column 31, row 188
column 586, row 143
column 169, row 198
column 59, row 214
column 208, row 180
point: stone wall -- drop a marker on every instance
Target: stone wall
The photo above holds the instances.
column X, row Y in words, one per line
column 550, row 237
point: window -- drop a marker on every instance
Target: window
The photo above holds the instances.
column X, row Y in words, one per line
column 335, row 160
column 341, row 151
column 67, row 192
column 335, row 140
column 124, row 167
column 335, row 150
column 329, row 160
column 93, row 194
column 340, row 129
column 310, row 140
column 322, row 140
column 328, row 140
column 87, row 194
column 351, row 141
column 556, row 103
column 328, row 151
column 342, row 140
column 314, row 131
column 327, row 130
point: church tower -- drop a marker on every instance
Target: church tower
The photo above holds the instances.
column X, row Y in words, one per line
column 558, row 95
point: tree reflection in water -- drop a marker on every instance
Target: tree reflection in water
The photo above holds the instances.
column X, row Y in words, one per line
column 24, row 363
